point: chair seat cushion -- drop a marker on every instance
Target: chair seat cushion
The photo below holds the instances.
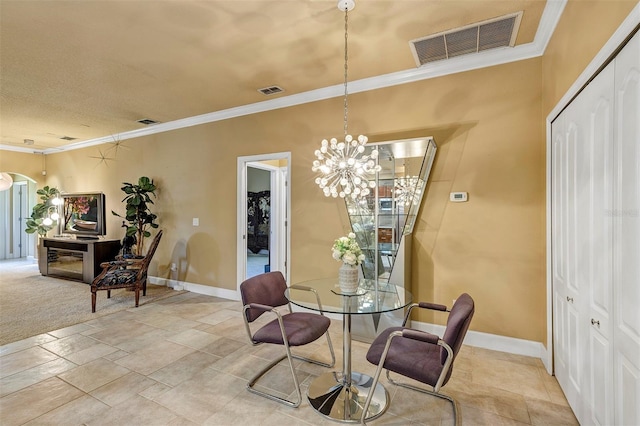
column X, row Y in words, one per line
column 411, row 358
column 118, row 277
column 301, row 328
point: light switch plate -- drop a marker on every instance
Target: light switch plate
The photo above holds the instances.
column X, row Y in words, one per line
column 196, row 221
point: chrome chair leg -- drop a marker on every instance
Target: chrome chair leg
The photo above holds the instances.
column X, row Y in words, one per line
column 289, row 356
column 456, row 411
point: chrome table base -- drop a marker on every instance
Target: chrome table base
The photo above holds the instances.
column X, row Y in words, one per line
column 332, row 398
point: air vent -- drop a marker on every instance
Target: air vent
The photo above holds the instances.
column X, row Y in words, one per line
column 271, row 90
column 491, row 34
column 68, row 138
column 147, row 121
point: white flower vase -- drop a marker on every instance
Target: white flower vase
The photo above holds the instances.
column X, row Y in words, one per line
column 348, row 278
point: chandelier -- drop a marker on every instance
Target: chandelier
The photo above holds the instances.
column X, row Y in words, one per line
column 408, row 190
column 345, row 170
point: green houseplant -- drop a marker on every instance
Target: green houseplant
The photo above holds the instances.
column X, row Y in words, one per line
column 44, row 215
column 138, row 217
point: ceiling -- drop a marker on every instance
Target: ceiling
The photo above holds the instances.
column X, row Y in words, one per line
column 89, row 70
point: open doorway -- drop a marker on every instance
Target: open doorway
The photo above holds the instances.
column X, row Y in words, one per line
column 15, row 243
column 263, row 209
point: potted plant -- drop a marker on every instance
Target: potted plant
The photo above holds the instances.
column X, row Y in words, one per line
column 44, row 216
column 138, row 217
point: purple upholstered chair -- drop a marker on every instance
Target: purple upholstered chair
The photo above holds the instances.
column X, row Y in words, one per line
column 422, row 356
column 265, row 293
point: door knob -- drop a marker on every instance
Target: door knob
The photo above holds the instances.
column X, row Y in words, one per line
column 594, row 322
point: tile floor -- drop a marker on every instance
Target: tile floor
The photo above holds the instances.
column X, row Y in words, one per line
column 186, row 360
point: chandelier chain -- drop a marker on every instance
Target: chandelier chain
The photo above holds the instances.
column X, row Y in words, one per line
column 346, row 67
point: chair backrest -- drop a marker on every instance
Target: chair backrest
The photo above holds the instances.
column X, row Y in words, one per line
column 457, row 325
column 265, row 289
column 144, row 265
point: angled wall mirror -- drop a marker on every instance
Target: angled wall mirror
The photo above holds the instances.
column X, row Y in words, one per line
column 383, row 222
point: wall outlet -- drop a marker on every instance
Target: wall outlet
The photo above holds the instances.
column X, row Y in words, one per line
column 174, row 267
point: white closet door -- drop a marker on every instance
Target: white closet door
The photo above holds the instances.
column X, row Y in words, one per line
column 569, row 283
column 596, row 238
column 626, row 236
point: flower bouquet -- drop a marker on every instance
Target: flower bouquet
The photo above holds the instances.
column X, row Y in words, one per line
column 347, row 250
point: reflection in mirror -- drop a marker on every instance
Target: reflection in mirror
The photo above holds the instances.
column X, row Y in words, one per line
column 388, row 213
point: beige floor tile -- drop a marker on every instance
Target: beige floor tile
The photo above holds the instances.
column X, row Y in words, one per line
column 472, row 416
column 154, row 356
column 36, row 400
column 191, row 311
column 143, row 340
column 92, row 353
column 91, row 376
column 490, row 399
column 184, row 368
column 29, row 377
column 201, row 397
column 155, row 390
column 122, row 389
column 70, row 344
column 19, row 361
column 30, row 342
column 135, row 411
column 166, row 322
column 220, row 316
column 194, row 338
column 222, row 346
column 76, row 412
column 504, row 374
column 546, row 413
column 68, row 331
column 117, row 333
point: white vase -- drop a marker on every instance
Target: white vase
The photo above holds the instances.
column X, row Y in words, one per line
column 348, row 278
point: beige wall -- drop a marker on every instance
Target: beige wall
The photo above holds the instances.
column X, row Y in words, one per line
column 585, row 26
column 489, row 127
column 29, row 165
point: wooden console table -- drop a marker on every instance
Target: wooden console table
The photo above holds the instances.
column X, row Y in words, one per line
column 75, row 259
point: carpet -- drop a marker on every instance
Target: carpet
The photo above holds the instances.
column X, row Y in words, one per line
column 31, row 304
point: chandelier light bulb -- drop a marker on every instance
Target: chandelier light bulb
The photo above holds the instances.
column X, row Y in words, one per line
column 47, row 221
column 55, row 216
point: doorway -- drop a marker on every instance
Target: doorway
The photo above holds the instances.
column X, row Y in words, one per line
column 263, row 211
column 14, row 205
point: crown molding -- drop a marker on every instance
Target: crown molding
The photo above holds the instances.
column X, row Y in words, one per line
column 548, row 21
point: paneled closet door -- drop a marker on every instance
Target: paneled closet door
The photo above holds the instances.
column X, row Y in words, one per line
column 596, row 229
column 582, row 250
column 570, row 286
column 626, row 236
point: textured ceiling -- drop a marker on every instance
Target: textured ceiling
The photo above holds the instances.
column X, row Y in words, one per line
column 90, row 69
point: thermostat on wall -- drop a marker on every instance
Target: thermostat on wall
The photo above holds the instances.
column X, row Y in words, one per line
column 458, row 197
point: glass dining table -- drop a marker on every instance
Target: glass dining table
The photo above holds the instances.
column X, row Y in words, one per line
column 340, row 395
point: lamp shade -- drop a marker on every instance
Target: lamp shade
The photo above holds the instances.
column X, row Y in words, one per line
column 5, row 181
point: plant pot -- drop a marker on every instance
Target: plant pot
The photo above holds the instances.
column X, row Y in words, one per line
column 348, row 278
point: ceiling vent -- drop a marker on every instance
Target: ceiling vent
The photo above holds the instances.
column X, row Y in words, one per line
column 147, row 121
column 271, row 90
column 491, row 34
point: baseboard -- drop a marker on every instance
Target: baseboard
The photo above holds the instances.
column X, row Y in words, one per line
column 478, row 339
column 494, row 342
column 196, row 288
